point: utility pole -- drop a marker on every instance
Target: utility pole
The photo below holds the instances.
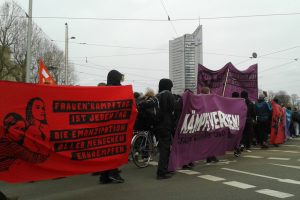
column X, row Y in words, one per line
column 29, row 33
column 66, row 52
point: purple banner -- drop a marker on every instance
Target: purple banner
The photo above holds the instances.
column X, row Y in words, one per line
column 228, row 80
column 209, row 126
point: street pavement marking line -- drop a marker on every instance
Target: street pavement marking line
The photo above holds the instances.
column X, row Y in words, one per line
column 221, row 162
column 239, row 184
column 291, row 181
column 274, row 193
column 249, row 156
column 284, row 151
column 188, row 172
column 289, row 166
column 211, row 178
column 290, row 145
column 153, row 163
column 255, row 148
column 275, row 158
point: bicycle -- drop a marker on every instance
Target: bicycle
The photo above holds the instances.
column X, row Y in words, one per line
column 143, row 148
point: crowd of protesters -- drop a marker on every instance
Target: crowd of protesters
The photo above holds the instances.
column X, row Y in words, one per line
column 256, row 132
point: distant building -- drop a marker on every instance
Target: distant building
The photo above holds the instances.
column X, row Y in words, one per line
column 185, row 53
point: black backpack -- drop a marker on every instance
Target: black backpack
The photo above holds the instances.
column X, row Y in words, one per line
column 149, row 109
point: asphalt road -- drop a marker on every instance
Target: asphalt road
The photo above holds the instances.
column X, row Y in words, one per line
column 260, row 174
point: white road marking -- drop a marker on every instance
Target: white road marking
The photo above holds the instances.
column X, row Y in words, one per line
column 291, row 145
column 153, row 163
column 249, row 156
column 274, row 193
column 284, row 151
column 211, row 178
column 289, row 166
column 263, row 176
column 239, row 184
column 275, row 158
column 188, row 172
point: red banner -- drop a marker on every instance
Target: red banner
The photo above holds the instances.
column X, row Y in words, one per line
column 278, row 125
column 44, row 75
column 56, row 131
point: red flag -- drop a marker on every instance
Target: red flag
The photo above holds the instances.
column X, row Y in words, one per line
column 44, row 75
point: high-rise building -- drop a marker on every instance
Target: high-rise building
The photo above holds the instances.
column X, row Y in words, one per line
column 185, row 53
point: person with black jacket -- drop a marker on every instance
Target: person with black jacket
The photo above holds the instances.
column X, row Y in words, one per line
column 114, row 78
column 296, row 121
column 164, row 128
column 251, row 115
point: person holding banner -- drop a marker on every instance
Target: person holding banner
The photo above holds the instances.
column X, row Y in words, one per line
column 164, row 127
column 206, row 90
column 248, row 130
column 114, row 78
column 237, row 150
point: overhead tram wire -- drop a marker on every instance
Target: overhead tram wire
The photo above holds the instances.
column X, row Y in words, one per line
column 167, row 51
column 169, row 19
column 93, row 66
column 129, row 80
column 277, row 66
column 105, row 68
column 264, row 55
column 113, row 46
column 161, row 20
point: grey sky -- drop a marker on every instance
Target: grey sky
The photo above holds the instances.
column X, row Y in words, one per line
column 238, row 37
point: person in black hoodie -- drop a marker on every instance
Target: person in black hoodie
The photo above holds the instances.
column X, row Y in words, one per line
column 114, row 78
column 164, row 128
column 251, row 115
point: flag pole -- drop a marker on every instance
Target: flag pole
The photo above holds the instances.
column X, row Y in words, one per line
column 29, row 34
column 225, row 84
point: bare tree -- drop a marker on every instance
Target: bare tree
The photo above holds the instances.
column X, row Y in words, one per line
column 9, row 32
column 294, row 99
column 271, row 95
column 283, row 97
column 13, row 26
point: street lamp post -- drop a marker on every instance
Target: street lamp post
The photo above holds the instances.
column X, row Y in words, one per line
column 67, row 52
column 29, row 33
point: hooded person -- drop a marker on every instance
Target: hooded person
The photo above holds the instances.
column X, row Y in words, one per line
column 114, row 78
column 248, row 130
column 164, row 127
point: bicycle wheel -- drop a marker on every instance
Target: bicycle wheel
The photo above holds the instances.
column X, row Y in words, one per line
column 141, row 150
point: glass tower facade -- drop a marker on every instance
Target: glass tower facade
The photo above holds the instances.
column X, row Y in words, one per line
column 185, row 53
